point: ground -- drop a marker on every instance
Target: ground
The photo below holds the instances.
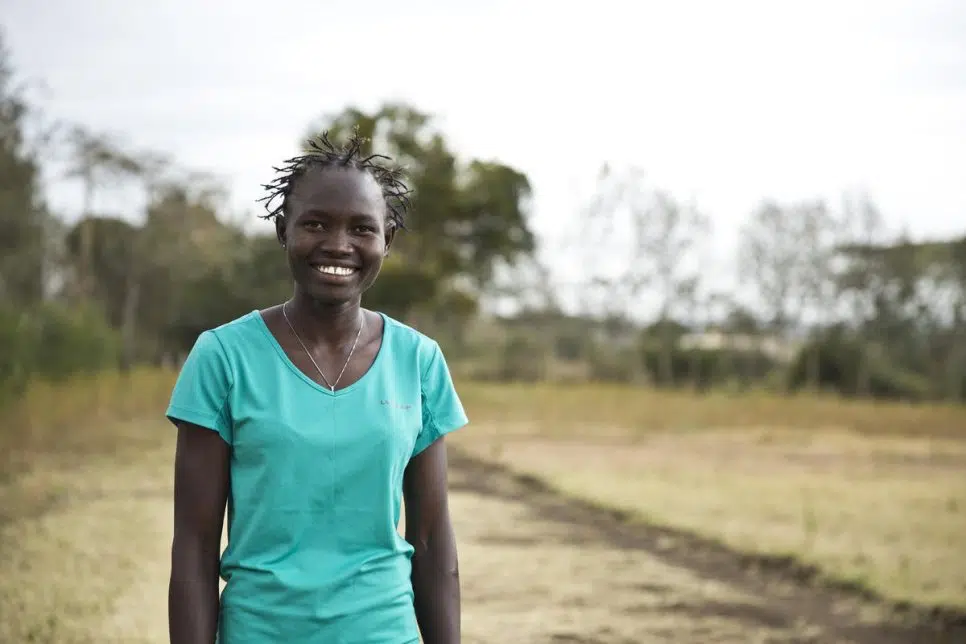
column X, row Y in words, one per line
column 87, row 561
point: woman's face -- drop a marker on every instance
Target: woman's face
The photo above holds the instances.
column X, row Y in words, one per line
column 335, row 234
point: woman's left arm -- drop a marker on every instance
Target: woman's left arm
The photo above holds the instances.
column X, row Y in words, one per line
column 435, row 574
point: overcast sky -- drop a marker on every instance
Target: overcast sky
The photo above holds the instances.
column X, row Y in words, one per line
column 723, row 102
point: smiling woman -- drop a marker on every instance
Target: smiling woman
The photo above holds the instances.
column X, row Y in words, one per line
column 310, row 421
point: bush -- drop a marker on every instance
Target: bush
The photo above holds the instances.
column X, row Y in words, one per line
column 52, row 343
column 836, row 360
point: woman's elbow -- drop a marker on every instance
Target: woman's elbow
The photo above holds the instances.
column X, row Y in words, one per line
column 194, row 554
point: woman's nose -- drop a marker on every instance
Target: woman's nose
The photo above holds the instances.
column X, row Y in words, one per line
column 337, row 241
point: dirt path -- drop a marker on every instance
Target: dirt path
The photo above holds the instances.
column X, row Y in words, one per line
column 589, row 576
column 536, row 568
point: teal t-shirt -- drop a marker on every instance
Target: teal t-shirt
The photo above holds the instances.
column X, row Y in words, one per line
column 314, row 554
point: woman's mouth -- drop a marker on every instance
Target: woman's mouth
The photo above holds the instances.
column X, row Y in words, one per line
column 331, row 270
column 335, row 270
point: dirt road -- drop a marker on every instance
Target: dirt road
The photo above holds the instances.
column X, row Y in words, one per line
column 536, row 568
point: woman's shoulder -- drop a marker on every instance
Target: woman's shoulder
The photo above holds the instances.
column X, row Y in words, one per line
column 233, row 334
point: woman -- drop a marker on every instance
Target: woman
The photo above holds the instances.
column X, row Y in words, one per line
column 308, row 421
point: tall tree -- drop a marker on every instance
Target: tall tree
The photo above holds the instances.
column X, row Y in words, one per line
column 604, row 283
column 861, row 281
column 652, row 244
column 956, row 276
column 469, row 215
column 24, row 220
column 96, row 161
column 668, row 237
column 817, row 237
column 768, row 260
column 184, row 243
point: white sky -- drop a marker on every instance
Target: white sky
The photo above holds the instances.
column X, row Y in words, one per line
column 725, row 102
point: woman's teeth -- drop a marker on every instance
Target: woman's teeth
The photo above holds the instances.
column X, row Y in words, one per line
column 335, row 270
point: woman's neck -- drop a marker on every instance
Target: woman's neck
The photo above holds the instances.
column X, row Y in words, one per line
column 322, row 323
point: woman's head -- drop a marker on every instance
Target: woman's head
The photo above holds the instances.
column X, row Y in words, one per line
column 336, row 212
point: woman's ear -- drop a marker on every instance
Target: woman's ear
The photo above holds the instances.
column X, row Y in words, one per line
column 280, row 225
column 390, row 235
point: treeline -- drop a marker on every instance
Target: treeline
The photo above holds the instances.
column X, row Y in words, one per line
column 828, row 299
column 114, row 289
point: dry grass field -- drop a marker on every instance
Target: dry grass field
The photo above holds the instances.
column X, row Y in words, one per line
column 873, row 496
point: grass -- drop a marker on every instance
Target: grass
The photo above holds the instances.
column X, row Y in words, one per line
column 75, row 459
column 870, row 492
column 587, row 410
column 85, row 414
column 873, row 494
column 80, row 531
column 888, row 517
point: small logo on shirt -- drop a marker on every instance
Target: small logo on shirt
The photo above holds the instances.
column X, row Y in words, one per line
column 392, row 403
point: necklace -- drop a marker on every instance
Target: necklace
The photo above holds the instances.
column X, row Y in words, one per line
column 309, row 353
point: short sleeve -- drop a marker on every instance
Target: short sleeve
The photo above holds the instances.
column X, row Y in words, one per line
column 200, row 394
column 442, row 409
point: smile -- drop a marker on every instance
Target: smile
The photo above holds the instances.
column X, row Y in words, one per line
column 341, row 271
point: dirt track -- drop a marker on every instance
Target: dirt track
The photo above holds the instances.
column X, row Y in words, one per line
column 536, row 568
column 542, row 568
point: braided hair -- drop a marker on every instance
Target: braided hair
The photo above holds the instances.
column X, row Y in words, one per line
column 321, row 153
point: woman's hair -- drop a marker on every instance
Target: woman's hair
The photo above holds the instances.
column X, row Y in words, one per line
column 321, row 153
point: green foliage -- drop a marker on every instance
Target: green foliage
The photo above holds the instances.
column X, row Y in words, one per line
column 141, row 286
column 72, row 340
column 705, row 368
column 400, row 287
column 52, row 342
column 111, row 256
column 839, row 361
column 23, row 217
column 468, row 215
column 16, row 351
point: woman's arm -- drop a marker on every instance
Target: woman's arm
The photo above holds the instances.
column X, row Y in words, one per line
column 435, row 575
column 200, row 493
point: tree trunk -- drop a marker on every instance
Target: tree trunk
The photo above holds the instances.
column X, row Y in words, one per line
column 129, row 321
column 813, row 366
column 956, row 362
column 667, row 366
column 863, row 376
column 86, row 241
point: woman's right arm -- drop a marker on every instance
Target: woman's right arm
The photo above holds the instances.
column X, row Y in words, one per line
column 200, row 493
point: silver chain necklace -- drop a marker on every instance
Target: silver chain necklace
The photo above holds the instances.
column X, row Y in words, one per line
column 309, row 353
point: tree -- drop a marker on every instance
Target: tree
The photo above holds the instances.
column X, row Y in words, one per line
column 955, row 273
column 860, row 281
column 184, row 244
column 768, row 259
column 651, row 243
column 24, row 220
column 96, row 160
column 604, row 285
column 469, row 215
column 667, row 235
column 816, row 236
